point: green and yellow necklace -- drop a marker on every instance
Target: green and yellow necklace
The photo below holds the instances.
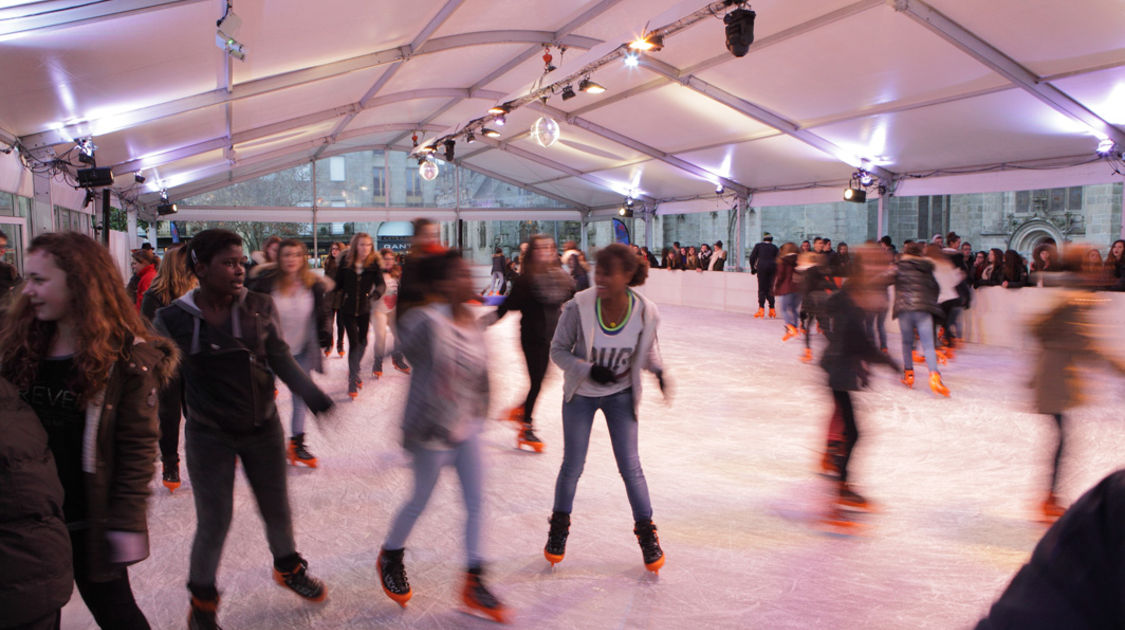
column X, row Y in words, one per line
column 615, row 327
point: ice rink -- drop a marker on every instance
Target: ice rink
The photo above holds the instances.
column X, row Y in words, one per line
column 731, row 468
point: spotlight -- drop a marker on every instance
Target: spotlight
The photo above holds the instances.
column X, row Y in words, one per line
column 649, row 42
column 568, row 93
column 857, row 195
column 137, row 177
column 719, row 189
column 500, row 110
column 628, row 202
column 164, row 195
column 86, row 148
column 625, row 212
column 167, row 208
column 740, row 31
column 449, row 144
column 1105, row 147
column 470, row 138
column 590, row 87
column 500, row 120
column 489, row 133
column 865, row 179
column 428, row 149
column 632, row 60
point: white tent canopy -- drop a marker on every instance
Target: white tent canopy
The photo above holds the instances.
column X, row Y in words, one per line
column 959, row 95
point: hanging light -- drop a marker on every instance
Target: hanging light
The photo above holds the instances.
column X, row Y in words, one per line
column 545, row 131
column 590, row 87
column 500, row 120
column 489, row 133
column 632, row 60
column 427, row 169
column 1105, row 146
column 500, row 110
column 568, row 93
column 470, row 138
column 648, row 42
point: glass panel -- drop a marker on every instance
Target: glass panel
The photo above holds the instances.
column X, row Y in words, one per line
column 288, row 188
column 7, row 205
column 336, row 170
column 23, row 207
column 354, row 180
column 1075, row 198
column 12, row 253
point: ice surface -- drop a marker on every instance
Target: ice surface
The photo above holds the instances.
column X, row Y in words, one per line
column 730, row 465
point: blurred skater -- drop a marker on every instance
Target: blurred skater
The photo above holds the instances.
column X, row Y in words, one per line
column 384, row 314
column 445, row 412
column 538, row 294
column 915, row 306
column 359, row 281
column 604, row 372
column 331, row 268
column 785, row 287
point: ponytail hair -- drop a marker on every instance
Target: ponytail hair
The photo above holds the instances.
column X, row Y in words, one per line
column 622, row 256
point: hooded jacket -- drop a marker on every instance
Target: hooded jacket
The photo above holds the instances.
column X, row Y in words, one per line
column 574, row 337
column 36, row 578
column 211, row 390
column 916, row 289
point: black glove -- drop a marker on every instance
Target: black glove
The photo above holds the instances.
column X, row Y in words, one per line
column 602, row 375
column 660, row 379
column 753, row 271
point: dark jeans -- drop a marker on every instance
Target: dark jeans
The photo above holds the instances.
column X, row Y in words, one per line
column 357, row 327
column 875, row 324
column 1056, row 464
column 50, row 622
column 171, row 402
column 765, row 286
column 851, row 431
column 111, row 603
column 211, row 456
column 339, row 317
column 537, row 355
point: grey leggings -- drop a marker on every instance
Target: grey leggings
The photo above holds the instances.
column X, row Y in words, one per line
column 427, row 465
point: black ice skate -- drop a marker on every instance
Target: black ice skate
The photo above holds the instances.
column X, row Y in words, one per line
column 203, row 614
column 171, row 477
column 298, row 453
column 479, row 599
column 300, row 582
column 526, row 437
column 556, row 537
column 650, row 545
column 392, row 576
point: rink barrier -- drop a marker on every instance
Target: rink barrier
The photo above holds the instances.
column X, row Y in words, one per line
column 998, row 316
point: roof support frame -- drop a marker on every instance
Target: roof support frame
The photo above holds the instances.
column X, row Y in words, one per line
column 987, row 54
column 54, row 14
column 296, row 78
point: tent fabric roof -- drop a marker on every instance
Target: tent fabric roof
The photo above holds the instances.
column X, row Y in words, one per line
column 910, row 87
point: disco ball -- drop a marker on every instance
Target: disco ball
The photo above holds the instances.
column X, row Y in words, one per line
column 545, row 131
column 428, row 170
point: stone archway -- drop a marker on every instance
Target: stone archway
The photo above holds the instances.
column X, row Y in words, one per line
column 1029, row 234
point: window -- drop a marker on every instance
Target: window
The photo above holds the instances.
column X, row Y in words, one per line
column 378, row 185
column 1074, row 201
column 413, row 183
column 7, row 207
column 337, row 169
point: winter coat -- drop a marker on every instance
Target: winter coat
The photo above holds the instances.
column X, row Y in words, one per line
column 916, row 289
column 36, row 578
column 1064, row 340
column 718, row 260
column 1074, row 578
column 319, row 336
column 948, row 277
column 763, row 257
column 574, row 337
column 220, row 392
column 848, row 349
column 357, row 291
column 786, row 281
column 436, row 406
column 144, row 281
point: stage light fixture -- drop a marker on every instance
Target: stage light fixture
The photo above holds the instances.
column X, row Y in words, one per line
column 719, row 189
column 167, row 208
column 865, row 179
column 856, row 195
column 500, row 120
column 628, row 202
column 740, row 31
column 647, row 43
column 500, row 110
column 632, row 60
column 489, row 133
column 137, row 177
column 470, row 138
column 568, row 93
column 589, row 87
column 625, row 212
column 1105, row 146
column 449, row 144
column 94, row 177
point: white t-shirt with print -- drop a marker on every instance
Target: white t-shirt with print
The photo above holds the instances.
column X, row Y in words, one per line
column 617, row 351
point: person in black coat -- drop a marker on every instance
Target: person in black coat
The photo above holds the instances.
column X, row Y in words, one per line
column 763, row 262
column 845, row 360
column 359, row 280
column 915, row 307
column 36, row 568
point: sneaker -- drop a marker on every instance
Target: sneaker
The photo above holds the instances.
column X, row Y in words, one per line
column 650, row 545
column 555, row 548
column 300, row 582
column 203, row 614
column 478, row 598
column 392, row 576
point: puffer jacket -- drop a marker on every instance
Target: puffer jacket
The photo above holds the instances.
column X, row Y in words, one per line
column 916, row 289
column 36, row 578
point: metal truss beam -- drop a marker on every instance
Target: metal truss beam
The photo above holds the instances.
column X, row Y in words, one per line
column 38, row 16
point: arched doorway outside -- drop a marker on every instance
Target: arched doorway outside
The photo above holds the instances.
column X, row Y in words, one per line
column 394, row 235
column 1031, row 233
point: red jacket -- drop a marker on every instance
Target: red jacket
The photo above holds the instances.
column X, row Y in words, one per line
column 144, row 281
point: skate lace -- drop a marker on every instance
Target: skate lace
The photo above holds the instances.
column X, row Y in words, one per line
column 394, row 577
column 302, row 452
column 557, row 535
column 649, row 541
column 529, row 435
column 301, row 582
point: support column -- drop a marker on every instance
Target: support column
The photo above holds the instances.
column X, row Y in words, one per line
column 649, row 212
column 881, row 220
column 741, row 208
column 315, row 231
column 131, row 222
column 42, row 210
column 585, row 239
column 152, row 232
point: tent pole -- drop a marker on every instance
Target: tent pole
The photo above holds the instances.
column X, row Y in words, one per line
column 881, row 219
column 316, row 244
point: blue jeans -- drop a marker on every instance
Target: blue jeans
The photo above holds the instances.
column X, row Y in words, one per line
column 578, row 419
column 789, row 303
column 922, row 322
column 876, row 323
column 427, row 465
column 297, row 425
